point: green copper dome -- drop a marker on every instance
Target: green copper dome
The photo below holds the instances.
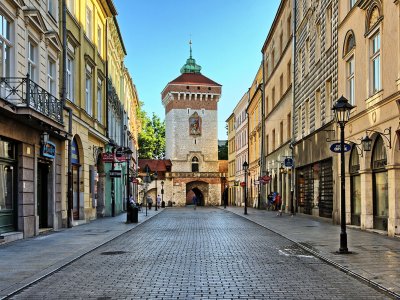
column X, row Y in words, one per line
column 191, row 66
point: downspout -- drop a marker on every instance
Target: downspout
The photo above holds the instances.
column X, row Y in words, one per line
column 69, row 110
column 294, row 41
column 107, row 114
column 262, row 165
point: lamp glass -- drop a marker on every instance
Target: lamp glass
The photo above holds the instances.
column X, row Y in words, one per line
column 367, row 143
column 245, row 166
column 45, row 137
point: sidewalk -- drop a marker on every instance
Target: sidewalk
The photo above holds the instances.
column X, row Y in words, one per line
column 26, row 261
column 375, row 258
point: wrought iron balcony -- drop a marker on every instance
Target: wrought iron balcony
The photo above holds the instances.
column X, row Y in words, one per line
column 22, row 92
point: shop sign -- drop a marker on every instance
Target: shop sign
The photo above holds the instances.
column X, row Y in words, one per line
column 48, row 150
column 108, row 157
column 243, row 184
column 75, row 153
column 336, row 147
column 256, row 182
column 120, row 154
column 115, row 173
column 288, row 162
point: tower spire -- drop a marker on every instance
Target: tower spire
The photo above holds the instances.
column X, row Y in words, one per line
column 190, row 45
column 190, row 66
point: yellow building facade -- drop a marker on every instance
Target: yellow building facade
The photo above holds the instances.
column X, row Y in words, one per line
column 231, row 159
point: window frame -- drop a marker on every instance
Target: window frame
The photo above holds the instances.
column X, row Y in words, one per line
column 88, row 94
column 32, row 58
column 89, row 23
column 6, row 46
column 51, row 76
column 375, row 56
column 70, row 79
column 99, row 100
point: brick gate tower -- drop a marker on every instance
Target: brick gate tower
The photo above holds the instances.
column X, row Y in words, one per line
column 191, row 105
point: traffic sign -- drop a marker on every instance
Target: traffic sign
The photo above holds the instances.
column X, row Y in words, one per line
column 336, row 147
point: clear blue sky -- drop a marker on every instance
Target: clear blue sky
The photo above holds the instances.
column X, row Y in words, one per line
column 227, row 37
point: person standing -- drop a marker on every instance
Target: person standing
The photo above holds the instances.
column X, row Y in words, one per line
column 194, row 200
column 278, row 201
column 149, row 201
column 158, row 201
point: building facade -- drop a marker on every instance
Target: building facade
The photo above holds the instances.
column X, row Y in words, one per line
column 277, row 57
column 231, row 159
column 241, row 143
column 369, row 77
column 191, row 104
column 315, row 90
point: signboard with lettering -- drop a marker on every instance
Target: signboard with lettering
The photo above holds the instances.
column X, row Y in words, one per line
column 75, row 153
column 108, row 157
column 288, row 162
column 336, row 147
column 115, row 173
column 48, row 150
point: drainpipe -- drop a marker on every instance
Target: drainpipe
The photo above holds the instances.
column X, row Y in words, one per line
column 68, row 109
column 294, row 41
column 107, row 114
column 262, row 165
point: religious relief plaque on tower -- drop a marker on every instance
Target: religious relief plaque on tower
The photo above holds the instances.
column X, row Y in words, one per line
column 195, row 124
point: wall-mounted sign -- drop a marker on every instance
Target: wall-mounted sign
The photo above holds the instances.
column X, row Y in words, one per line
column 115, row 173
column 120, row 154
column 108, row 157
column 243, row 184
column 75, row 153
column 336, row 147
column 288, row 162
column 48, row 150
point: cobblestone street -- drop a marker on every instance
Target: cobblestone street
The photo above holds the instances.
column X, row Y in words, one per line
column 199, row 254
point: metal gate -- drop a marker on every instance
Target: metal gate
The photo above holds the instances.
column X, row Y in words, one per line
column 326, row 189
column 305, row 193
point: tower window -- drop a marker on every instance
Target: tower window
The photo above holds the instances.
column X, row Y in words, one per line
column 195, row 164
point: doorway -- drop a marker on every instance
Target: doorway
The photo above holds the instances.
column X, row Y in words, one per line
column 75, row 191
column 42, row 194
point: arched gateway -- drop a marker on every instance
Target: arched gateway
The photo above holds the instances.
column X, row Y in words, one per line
column 191, row 132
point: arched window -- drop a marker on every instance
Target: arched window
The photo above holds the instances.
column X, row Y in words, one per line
column 355, row 183
column 348, row 55
column 195, row 164
column 380, row 185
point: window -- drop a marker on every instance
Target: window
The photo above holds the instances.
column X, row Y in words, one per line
column 273, row 98
column 99, row 39
column 5, row 45
column 71, row 6
column 89, row 23
column 88, row 94
column 318, row 42
column 307, row 117
column 70, row 79
column 52, row 7
column 51, row 77
column 299, row 123
column 289, row 73
column 281, row 86
column 328, row 100
column 32, row 49
column 328, row 28
column 281, row 43
column 281, row 132
column 350, row 79
column 267, row 144
column 317, row 109
column 376, row 62
column 195, row 164
column 273, row 140
column 351, row 4
column 300, row 64
column 289, row 122
column 272, row 59
column 99, row 100
column 307, row 58
column 289, row 27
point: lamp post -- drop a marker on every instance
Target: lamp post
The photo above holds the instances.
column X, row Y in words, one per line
column 162, row 192
column 128, row 153
column 147, row 180
column 155, row 175
column 342, row 110
column 245, row 168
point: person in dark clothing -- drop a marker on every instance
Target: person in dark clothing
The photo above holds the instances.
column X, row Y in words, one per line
column 225, row 197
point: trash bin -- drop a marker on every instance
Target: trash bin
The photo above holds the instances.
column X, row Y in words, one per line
column 134, row 215
column 162, row 204
column 169, row 203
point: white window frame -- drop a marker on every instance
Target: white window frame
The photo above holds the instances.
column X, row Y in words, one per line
column 70, row 79
column 71, row 6
column 350, row 79
column 52, row 8
column 51, row 76
column 89, row 23
column 88, row 94
column 99, row 100
column 375, row 63
column 5, row 47
column 32, row 58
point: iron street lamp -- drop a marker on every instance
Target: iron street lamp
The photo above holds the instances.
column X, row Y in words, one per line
column 245, row 169
column 155, row 175
column 128, row 153
column 342, row 110
column 162, row 192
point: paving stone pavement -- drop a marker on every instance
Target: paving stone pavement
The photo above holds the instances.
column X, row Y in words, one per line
column 24, row 261
column 206, row 253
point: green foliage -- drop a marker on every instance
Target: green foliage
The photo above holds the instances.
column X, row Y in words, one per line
column 151, row 137
column 223, row 151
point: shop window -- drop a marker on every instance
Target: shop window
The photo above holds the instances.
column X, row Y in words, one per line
column 195, row 164
column 355, row 187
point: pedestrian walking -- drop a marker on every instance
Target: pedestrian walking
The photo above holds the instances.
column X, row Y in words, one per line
column 278, row 204
column 149, row 201
column 225, row 197
column 194, row 200
column 158, row 201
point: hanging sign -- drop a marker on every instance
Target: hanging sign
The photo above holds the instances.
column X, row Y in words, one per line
column 115, row 173
column 288, row 162
column 108, row 157
column 120, row 154
column 336, row 147
column 48, row 150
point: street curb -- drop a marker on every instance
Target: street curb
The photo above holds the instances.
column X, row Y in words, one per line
column 359, row 277
column 20, row 286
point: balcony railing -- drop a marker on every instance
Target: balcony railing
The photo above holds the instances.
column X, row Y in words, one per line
column 23, row 92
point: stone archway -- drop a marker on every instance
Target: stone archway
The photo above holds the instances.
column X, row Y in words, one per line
column 198, row 188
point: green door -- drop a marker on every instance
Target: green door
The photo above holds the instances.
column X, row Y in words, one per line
column 7, row 198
